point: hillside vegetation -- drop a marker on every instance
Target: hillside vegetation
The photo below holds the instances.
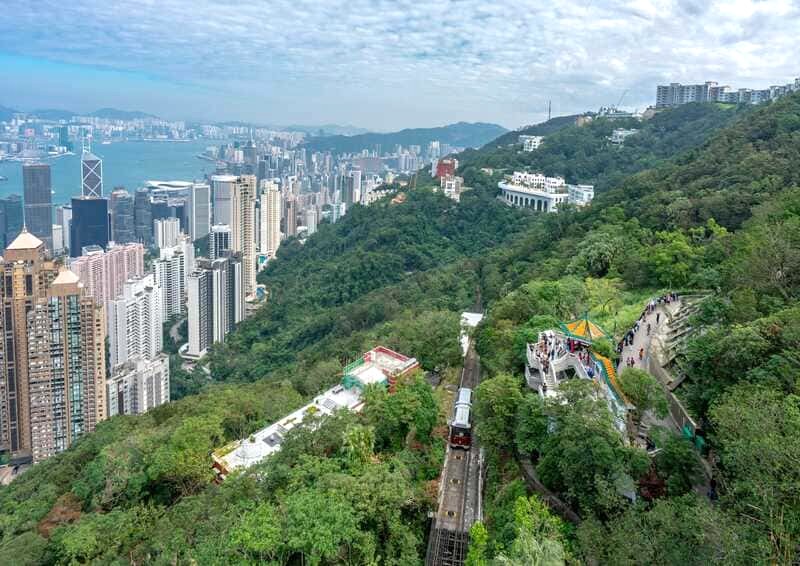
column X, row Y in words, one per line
column 675, row 212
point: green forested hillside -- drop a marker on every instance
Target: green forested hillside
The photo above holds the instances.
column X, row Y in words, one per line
column 709, row 200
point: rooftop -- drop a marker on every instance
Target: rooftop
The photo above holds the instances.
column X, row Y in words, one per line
column 375, row 367
column 25, row 241
column 66, row 277
column 249, row 451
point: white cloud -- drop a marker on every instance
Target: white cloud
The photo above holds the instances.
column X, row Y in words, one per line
column 395, row 63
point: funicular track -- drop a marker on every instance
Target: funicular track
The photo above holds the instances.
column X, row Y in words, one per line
column 459, row 494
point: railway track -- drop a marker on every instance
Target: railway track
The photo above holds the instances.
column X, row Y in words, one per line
column 459, row 493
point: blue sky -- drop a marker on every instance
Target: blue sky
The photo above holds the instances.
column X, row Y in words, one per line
column 383, row 64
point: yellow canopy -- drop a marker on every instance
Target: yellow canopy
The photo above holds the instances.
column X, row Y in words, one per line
column 584, row 329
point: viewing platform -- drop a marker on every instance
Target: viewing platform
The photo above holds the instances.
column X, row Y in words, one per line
column 564, row 354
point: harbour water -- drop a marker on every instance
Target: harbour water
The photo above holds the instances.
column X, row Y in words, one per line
column 127, row 164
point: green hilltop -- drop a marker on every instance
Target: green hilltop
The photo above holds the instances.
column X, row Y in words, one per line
column 703, row 197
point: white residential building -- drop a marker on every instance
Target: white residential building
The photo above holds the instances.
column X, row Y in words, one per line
column 541, row 193
column 311, row 220
column 270, row 208
column 171, row 271
column 619, row 135
column 215, row 303
column 243, row 237
column 219, row 241
column 452, row 186
column 530, row 143
column 138, row 386
column 166, row 232
column 135, row 322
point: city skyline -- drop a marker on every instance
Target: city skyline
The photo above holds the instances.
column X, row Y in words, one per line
column 383, row 66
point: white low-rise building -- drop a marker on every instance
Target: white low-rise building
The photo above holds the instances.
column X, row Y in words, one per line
column 379, row 366
column 542, row 193
column 530, row 143
column 619, row 135
column 452, row 186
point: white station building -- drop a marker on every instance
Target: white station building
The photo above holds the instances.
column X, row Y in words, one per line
column 541, row 193
column 378, row 366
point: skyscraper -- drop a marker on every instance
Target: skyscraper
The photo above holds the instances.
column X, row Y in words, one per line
column 135, row 322
column 122, row 216
column 64, row 217
column 166, row 232
column 243, row 237
column 270, row 209
column 90, row 224
column 291, row 216
column 91, row 175
column 138, row 385
column 66, row 360
column 38, row 202
column 58, row 240
column 171, row 271
column 11, row 219
column 103, row 273
column 222, row 186
column 53, row 356
column 199, row 210
column 355, row 174
column 219, row 241
column 215, row 302
column 143, row 217
column 311, row 218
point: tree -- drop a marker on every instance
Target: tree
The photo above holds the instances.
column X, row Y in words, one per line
column 530, row 429
column 678, row 530
column 679, row 464
column 644, row 391
column 260, row 533
column 539, row 540
column 583, row 456
column 604, row 293
column 319, row 524
column 496, row 402
column 478, row 546
column 672, row 258
column 757, row 433
column 357, row 445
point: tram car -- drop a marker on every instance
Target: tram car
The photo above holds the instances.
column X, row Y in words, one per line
column 460, row 426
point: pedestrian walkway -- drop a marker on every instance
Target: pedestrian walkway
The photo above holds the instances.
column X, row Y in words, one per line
column 656, row 317
column 637, row 349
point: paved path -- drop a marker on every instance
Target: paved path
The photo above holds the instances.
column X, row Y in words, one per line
column 659, row 327
column 643, row 340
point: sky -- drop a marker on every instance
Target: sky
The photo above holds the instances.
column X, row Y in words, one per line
column 383, row 65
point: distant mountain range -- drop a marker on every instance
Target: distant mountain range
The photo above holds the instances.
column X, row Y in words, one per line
column 57, row 114
column 335, row 137
column 115, row 114
column 327, row 129
column 462, row 134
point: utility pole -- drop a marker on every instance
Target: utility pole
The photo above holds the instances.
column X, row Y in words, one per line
column 549, row 109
